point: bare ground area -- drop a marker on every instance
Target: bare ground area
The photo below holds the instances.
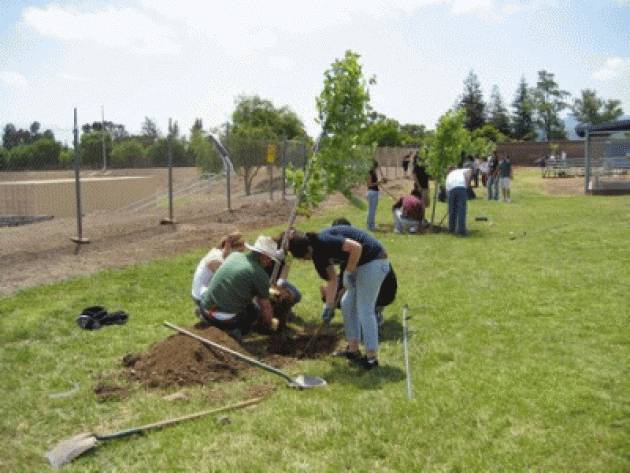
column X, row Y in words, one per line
column 43, row 252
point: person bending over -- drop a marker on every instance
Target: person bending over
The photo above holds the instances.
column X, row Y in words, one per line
column 408, row 212
column 364, row 264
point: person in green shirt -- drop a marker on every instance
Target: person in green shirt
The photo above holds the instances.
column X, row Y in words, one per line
column 238, row 293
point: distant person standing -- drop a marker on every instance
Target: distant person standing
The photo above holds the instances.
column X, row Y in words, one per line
column 421, row 179
column 457, row 182
column 475, row 170
column 405, row 163
column 505, row 177
column 493, row 177
column 372, row 196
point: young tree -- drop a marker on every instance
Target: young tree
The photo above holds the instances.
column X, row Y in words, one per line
column 451, row 138
column 498, row 113
column 589, row 108
column 472, row 102
column 549, row 101
column 522, row 115
column 342, row 161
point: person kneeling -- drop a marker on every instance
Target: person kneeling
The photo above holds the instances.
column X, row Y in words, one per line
column 408, row 212
column 229, row 301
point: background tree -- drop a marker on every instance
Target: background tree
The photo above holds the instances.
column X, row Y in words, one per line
column 116, row 130
column 549, row 101
column 149, row 132
column 451, row 138
column 412, row 135
column 472, row 103
column 589, row 108
column 381, row 131
column 10, row 136
column 128, row 153
column 256, row 123
column 523, row 127
column 497, row 112
column 91, row 148
column 203, row 151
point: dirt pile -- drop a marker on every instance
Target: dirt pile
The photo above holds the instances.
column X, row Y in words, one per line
column 182, row 360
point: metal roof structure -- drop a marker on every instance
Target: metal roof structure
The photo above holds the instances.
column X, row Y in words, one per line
column 603, row 128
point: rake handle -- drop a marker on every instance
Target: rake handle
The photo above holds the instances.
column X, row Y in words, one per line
column 176, row 420
column 238, row 355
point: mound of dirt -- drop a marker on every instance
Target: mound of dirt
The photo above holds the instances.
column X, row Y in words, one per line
column 181, row 360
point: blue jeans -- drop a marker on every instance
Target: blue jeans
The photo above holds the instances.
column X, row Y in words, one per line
column 357, row 304
column 457, row 203
column 372, row 198
column 493, row 187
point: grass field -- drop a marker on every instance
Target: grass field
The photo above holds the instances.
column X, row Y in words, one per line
column 519, row 355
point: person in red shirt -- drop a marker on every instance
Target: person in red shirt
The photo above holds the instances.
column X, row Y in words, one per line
column 408, row 212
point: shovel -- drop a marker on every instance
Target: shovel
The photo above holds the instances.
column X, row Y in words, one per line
column 302, row 381
column 69, row 449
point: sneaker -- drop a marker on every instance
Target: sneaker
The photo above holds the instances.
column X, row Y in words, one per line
column 365, row 363
column 347, row 353
column 236, row 334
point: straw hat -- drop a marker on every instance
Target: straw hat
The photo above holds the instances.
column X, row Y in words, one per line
column 267, row 246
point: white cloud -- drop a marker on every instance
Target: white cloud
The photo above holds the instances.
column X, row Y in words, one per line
column 72, row 77
column 613, row 68
column 13, row 80
column 119, row 27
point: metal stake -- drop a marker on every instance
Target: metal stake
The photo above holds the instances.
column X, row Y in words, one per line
column 77, row 180
column 406, row 351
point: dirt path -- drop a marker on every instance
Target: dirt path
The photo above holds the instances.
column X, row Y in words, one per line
column 40, row 253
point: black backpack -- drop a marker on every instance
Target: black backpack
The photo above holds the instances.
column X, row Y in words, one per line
column 389, row 287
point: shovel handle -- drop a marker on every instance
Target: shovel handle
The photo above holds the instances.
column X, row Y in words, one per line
column 247, row 359
column 176, row 420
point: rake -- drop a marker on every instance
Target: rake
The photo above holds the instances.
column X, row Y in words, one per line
column 73, row 447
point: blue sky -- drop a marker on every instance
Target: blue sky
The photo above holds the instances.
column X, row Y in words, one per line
column 191, row 58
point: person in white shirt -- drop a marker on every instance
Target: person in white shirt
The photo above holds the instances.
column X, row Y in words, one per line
column 457, row 182
column 211, row 262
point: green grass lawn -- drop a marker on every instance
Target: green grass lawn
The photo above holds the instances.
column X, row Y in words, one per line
column 519, row 358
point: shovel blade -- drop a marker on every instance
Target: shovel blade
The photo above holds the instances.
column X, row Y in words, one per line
column 305, row 381
column 69, row 449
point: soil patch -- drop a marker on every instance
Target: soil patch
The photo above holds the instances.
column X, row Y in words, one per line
column 107, row 391
column 180, row 360
column 321, row 346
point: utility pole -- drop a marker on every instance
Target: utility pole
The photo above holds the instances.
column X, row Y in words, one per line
column 103, row 135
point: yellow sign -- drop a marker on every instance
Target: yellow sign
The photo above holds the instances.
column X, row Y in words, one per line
column 271, row 153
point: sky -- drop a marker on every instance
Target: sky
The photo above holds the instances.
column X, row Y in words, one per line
column 192, row 58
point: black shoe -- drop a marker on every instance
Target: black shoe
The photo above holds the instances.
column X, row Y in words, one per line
column 365, row 363
column 347, row 353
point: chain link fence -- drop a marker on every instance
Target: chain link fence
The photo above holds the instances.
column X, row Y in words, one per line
column 126, row 187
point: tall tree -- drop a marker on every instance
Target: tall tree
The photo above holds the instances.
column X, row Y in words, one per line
column 549, row 101
column 10, row 136
column 497, row 112
column 589, row 108
column 523, row 113
column 149, row 131
column 253, row 112
column 382, row 131
column 472, row 103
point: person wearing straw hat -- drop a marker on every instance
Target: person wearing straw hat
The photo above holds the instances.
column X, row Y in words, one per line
column 238, row 293
column 209, row 264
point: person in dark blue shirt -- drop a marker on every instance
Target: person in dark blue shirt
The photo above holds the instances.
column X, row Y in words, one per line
column 364, row 264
